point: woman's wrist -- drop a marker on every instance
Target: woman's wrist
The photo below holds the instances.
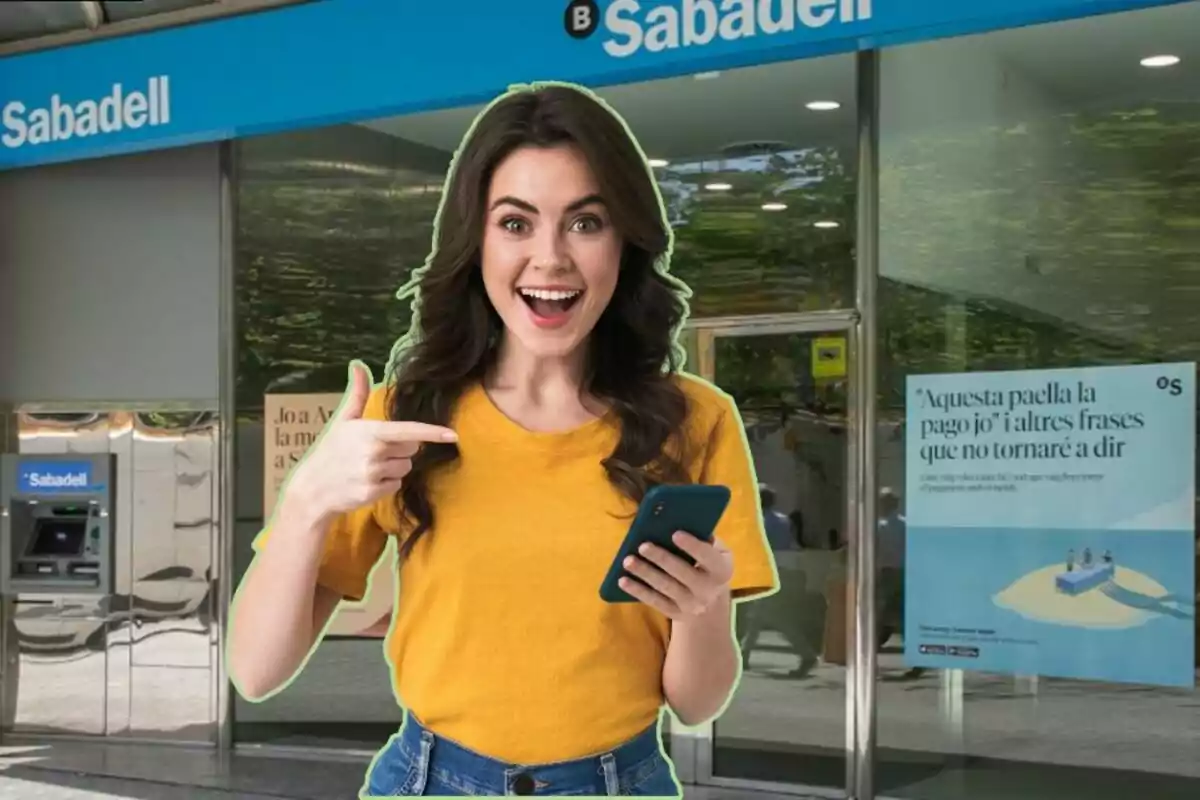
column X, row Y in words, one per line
column 300, row 509
column 714, row 621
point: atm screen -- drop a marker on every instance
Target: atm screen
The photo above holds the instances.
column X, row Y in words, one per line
column 61, row 538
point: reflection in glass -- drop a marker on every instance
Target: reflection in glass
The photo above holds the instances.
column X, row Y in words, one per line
column 1035, row 216
column 787, row 721
column 331, row 223
column 758, row 247
column 323, row 245
column 142, row 661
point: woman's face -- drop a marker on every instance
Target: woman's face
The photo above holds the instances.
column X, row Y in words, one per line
column 550, row 255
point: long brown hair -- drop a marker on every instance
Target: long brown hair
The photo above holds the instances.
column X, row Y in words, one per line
column 632, row 351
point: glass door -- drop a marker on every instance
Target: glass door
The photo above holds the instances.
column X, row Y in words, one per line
column 787, row 726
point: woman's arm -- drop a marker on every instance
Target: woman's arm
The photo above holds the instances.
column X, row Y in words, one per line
column 324, row 537
column 280, row 610
column 701, row 667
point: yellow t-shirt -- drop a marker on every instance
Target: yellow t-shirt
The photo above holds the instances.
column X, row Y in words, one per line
column 501, row 641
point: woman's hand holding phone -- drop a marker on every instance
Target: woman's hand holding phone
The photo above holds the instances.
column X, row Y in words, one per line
column 357, row 461
column 671, row 585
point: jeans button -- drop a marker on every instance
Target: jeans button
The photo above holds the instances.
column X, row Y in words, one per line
column 523, row 784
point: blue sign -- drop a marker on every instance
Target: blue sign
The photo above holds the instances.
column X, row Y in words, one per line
column 335, row 61
column 1051, row 523
column 56, row 477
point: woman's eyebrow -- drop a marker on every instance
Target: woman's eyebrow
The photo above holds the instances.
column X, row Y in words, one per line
column 514, row 201
column 587, row 200
column 524, row 205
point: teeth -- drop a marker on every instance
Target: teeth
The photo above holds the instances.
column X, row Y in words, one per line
column 548, row 294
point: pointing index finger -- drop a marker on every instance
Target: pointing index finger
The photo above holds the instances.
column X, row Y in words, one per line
column 400, row 432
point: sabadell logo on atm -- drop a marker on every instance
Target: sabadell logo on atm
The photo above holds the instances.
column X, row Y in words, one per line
column 60, row 119
column 632, row 26
column 58, row 480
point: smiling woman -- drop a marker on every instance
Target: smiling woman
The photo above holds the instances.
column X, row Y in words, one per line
column 549, row 234
column 535, row 400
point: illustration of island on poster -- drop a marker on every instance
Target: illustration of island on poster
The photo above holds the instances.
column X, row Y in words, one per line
column 1050, row 523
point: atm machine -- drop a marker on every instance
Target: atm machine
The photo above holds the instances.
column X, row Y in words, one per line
column 56, row 538
column 56, row 524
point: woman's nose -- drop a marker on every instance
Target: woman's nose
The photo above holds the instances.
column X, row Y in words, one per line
column 549, row 250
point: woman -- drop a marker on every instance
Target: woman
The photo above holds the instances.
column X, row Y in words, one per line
column 535, row 399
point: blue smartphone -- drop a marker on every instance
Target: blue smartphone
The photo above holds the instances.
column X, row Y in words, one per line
column 694, row 509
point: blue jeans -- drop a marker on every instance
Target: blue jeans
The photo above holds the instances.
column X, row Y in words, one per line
column 418, row 762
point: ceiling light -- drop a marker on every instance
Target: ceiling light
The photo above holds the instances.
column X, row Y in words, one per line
column 823, row 105
column 774, row 206
column 658, row 162
column 1157, row 62
column 718, row 187
column 826, row 223
column 707, row 76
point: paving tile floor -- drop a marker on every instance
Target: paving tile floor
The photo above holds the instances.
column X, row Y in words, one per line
column 49, row 785
column 149, row 772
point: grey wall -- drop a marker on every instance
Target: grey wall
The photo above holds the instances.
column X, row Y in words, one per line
column 109, row 275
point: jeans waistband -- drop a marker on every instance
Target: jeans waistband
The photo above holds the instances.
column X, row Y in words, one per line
column 509, row 778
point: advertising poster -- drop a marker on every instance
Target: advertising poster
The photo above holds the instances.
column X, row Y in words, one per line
column 293, row 423
column 1050, row 520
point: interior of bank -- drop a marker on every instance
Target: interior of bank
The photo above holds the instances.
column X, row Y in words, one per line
column 1038, row 196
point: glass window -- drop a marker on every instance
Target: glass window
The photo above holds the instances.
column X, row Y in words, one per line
column 331, row 223
column 763, row 255
column 759, row 187
column 1039, row 201
column 787, row 722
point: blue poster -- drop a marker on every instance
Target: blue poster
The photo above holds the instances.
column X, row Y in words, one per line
column 1050, row 521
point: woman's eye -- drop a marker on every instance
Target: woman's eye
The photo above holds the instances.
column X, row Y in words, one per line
column 588, row 224
column 513, row 225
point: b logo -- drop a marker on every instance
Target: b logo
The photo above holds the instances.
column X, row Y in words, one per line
column 580, row 18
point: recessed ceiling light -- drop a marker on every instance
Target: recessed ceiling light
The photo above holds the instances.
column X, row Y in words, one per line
column 1157, row 62
column 823, row 105
column 826, row 223
column 774, row 206
column 707, row 76
column 718, row 187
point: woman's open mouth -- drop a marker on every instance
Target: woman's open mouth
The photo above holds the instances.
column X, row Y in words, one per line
column 550, row 308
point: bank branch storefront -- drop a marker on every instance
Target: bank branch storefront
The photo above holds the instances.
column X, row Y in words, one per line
column 943, row 254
